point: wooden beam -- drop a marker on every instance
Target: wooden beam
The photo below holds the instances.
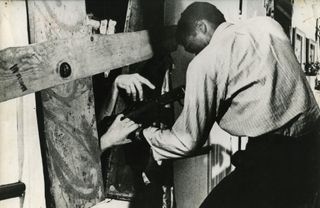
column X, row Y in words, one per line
column 32, row 68
column 66, row 113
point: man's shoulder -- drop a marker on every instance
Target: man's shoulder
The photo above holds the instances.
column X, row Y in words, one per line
column 202, row 63
column 206, row 63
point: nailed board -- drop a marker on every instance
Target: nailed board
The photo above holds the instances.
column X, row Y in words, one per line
column 69, row 140
column 28, row 69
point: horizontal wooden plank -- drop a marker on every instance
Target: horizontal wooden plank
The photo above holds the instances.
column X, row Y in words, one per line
column 31, row 68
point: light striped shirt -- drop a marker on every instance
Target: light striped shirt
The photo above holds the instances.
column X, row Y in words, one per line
column 247, row 80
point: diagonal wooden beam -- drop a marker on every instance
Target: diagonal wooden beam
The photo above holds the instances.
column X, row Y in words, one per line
column 32, row 68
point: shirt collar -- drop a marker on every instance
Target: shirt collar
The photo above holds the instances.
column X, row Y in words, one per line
column 219, row 30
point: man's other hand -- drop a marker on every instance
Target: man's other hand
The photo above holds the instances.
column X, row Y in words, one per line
column 132, row 84
column 118, row 132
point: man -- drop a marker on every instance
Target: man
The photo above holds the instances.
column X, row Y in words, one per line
column 246, row 78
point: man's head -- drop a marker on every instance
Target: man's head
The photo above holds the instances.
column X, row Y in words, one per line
column 197, row 25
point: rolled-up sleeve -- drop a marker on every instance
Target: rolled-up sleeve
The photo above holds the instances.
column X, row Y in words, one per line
column 192, row 127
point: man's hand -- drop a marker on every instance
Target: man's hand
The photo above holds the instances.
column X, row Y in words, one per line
column 132, row 84
column 118, row 132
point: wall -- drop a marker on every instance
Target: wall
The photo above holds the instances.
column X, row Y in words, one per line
column 20, row 157
column 304, row 17
column 253, row 8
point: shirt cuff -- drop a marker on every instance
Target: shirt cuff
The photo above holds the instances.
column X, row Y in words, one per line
column 147, row 133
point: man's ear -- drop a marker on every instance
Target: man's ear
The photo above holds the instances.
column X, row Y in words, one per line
column 201, row 26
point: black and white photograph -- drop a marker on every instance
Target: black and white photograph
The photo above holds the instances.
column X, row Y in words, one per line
column 159, row 104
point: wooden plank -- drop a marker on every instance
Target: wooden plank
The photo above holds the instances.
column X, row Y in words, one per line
column 134, row 22
column 28, row 69
column 67, row 117
column 134, row 17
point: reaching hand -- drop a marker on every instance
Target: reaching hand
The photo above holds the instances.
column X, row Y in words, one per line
column 132, row 84
column 118, row 132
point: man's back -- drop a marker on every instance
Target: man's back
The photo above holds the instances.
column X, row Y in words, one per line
column 260, row 84
column 248, row 80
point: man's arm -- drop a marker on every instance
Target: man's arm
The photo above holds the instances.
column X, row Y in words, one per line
column 192, row 127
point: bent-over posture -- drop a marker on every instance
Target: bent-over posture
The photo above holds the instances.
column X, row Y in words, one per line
column 246, row 78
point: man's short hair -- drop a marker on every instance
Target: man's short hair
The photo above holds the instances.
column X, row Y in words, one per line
column 193, row 13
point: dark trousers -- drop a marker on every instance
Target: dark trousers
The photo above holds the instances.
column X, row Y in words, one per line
column 273, row 172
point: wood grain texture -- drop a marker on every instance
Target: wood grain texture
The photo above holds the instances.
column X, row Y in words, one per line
column 28, row 69
column 68, row 129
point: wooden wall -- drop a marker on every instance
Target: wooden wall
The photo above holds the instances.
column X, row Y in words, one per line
column 66, row 114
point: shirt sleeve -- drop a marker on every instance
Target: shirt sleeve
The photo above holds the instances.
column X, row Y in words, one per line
column 109, row 103
column 192, row 127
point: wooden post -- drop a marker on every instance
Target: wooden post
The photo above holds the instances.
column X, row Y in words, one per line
column 70, row 143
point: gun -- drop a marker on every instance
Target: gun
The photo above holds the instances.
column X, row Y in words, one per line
column 145, row 112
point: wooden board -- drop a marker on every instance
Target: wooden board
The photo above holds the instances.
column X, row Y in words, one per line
column 67, row 119
column 28, row 69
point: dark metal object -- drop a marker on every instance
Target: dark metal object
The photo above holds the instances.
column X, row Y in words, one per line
column 239, row 142
column 240, row 7
column 317, row 35
column 12, row 190
column 65, row 70
column 141, row 112
column 144, row 112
